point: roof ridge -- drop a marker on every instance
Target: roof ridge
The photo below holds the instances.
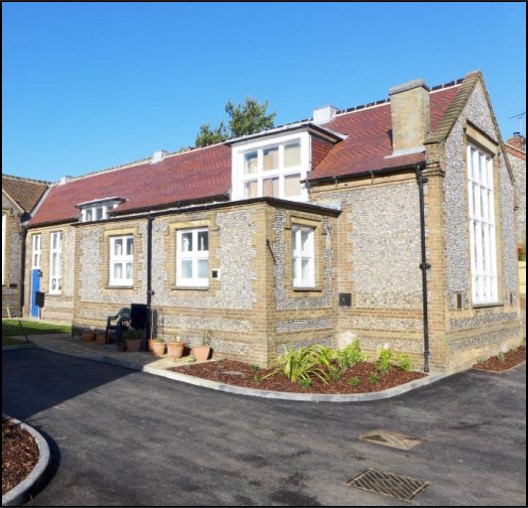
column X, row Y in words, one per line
column 436, row 88
column 25, row 179
column 137, row 163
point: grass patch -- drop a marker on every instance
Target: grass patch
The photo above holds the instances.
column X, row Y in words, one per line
column 11, row 328
column 8, row 341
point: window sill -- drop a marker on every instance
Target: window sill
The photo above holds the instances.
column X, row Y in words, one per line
column 488, row 305
column 315, row 289
column 108, row 286
column 190, row 288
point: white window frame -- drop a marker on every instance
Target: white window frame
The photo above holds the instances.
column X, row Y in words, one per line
column 55, row 279
column 122, row 259
column 482, row 232
column 4, row 224
column 194, row 256
column 36, row 257
column 89, row 213
column 240, row 179
column 302, row 253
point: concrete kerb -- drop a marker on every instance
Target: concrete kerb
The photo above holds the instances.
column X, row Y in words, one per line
column 305, row 397
column 498, row 371
column 21, row 493
column 252, row 392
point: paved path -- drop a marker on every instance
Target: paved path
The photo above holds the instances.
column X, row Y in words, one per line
column 122, row 437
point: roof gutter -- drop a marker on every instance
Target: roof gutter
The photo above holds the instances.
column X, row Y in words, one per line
column 170, row 206
column 370, row 172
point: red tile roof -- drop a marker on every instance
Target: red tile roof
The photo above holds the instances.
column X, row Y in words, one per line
column 24, row 191
column 200, row 174
column 205, row 174
column 515, row 151
column 368, row 141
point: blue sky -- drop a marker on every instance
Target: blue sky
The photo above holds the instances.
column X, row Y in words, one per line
column 87, row 86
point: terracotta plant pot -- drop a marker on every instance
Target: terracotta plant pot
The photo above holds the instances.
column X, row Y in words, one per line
column 157, row 347
column 100, row 338
column 201, row 353
column 88, row 336
column 133, row 345
column 175, row 349
column 121, row 347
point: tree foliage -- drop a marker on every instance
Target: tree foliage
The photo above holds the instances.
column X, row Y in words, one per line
column 249, row 117
column 208, row 136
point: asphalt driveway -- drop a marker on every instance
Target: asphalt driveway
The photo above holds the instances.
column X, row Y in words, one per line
column 121, row 437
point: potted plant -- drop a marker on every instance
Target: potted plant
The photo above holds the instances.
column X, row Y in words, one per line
column 101, row 338
column 202, row 352
column 88, row 335
column 133, row 339
column 157, row 346
column 175, row 348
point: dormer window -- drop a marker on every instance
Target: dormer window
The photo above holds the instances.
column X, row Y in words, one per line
column 272, row 167
column 98, row 210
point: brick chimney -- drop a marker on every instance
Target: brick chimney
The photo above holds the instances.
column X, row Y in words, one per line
column 410, row 112
column 517, row 141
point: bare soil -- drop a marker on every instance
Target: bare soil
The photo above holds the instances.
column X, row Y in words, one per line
column 240, row 374
column 20, row 454
column 503, row 362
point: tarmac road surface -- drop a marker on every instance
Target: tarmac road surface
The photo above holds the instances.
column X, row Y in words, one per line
column 124, row 438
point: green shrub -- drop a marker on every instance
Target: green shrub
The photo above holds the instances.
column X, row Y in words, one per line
column 305, row 382
column 255, row 367
column 373, row 378
column 303, row 363
column 133, row 334
column 257, row 379
column 404, row 362
column 354, row 381
column 383, row 364
column 350, row 355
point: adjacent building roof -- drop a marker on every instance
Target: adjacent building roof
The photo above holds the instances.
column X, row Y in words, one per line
column 204, row 174
column 25, row 192
column 516, row 146
column 515, row 151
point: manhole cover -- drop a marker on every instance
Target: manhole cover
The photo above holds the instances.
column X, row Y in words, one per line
column 388, row 484
column 393, row 439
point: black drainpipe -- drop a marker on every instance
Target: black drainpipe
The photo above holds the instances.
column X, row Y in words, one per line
column 150, row 219
column 23, row 236
column 424, row 266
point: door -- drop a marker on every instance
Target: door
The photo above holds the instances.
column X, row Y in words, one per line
column 35, row 286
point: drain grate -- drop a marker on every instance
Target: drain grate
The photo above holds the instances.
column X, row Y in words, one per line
column 388, row 484
column 392, row 439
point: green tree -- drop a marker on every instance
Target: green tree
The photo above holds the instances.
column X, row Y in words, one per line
column 246, row 118
column 208, row 136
